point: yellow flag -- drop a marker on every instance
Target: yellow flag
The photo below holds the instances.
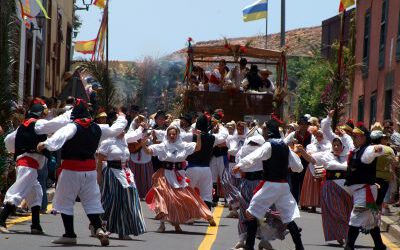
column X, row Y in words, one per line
column 39, row 2
column 344, row 4
column 100, row 3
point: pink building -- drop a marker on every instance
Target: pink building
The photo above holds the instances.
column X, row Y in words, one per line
column 377, row 83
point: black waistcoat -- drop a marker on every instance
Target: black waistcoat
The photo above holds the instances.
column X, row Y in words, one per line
column 276, row 167
column 359, row 172
column 26, row 139
column 202, row 157
column 83, row 145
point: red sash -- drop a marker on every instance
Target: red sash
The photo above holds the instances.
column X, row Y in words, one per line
column 80, row 166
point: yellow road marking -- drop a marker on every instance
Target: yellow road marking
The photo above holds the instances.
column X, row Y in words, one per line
column 389, row 243
column 211, row 234
column 21, row 219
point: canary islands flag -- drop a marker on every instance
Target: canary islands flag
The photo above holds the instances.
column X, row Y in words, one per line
column 344, row 4
column 257, row 10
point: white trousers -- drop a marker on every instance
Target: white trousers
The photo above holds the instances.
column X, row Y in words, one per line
column 72, row 184
column 200, row 178
column 361, row 216
column 26, row 187
column 217, row 168
column 274, row 193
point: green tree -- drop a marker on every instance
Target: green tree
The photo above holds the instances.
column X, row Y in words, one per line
column 312, row 75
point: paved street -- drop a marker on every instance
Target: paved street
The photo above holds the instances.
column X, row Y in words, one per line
column 193, row 237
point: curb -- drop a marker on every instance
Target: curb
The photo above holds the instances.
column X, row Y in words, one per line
column 391, row 227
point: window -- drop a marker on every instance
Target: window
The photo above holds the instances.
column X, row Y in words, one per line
column 68, row 49
column 37, row 83
column 367, row 32
column 382, row 41
column 388, row 105
column 372, row 112
column 28, row 64
column 361, row 108
column 398, row 40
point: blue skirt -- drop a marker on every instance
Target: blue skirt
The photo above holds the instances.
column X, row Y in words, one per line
column 122, row 209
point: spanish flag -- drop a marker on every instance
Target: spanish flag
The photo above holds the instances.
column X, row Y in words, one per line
column 344, row 4
column 86, row 47
column 257, row 10
column 100, row 3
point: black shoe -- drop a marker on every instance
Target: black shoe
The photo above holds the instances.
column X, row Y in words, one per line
column 37, row 230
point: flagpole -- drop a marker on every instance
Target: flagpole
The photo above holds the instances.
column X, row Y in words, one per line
column 108, row 16
column 266, row 29
column 283, row 20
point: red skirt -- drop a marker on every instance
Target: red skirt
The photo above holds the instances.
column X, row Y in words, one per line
column 175, row 205
column 311, row 191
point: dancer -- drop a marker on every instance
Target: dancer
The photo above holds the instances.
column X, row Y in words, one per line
column 140, row 163
column 23, row 142
column 79, row 141
column 277, row 158
column 336, row 202
column 361, row 177
column 311, row 190
column 220, row 156
column 303, row 137
column 198, row 169
column 234, row 143
column 171, row 198
column 120, row 199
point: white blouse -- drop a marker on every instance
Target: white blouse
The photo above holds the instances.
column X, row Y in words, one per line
column 173, row 152
column 117, row 150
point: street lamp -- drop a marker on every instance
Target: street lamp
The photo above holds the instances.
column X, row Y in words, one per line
column 87, row 3
column 40, row 19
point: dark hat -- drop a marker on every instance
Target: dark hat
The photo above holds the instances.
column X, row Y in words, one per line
column 273, row 129
column 35, row 111
column 243, row 61
column 186, row 117
column 159, row 114
column 302, row 120
column 202, row 123
column 80, row 110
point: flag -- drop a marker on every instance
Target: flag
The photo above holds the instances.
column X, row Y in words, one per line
column 257, row 10
column 344, row 4
column 85, row 47
column 39, row 3
column 100, row 3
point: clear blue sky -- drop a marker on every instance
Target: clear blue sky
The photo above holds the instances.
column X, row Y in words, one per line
column 140, row 27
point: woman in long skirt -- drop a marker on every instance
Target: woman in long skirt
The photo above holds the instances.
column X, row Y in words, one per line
column 119, row 194
column 171, row 198
column 336, row 202
column 311, row 190
column 140, row 163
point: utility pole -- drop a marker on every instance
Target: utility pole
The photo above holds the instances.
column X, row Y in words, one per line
column 283, row 22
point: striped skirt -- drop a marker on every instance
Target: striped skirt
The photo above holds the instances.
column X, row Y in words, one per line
column 246, row 190
column 230, row 185
column 336, row 206
column 311, row 191
column 142, row 174
column 123, row 212
column 175, row 205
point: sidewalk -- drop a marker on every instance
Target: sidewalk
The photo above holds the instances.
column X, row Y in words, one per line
column 391, row 223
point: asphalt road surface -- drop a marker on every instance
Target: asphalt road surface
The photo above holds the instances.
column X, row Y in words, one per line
column 198, row 236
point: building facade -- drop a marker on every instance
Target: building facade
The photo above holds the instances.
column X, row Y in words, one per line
column 377, row 82
column 44, row 47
